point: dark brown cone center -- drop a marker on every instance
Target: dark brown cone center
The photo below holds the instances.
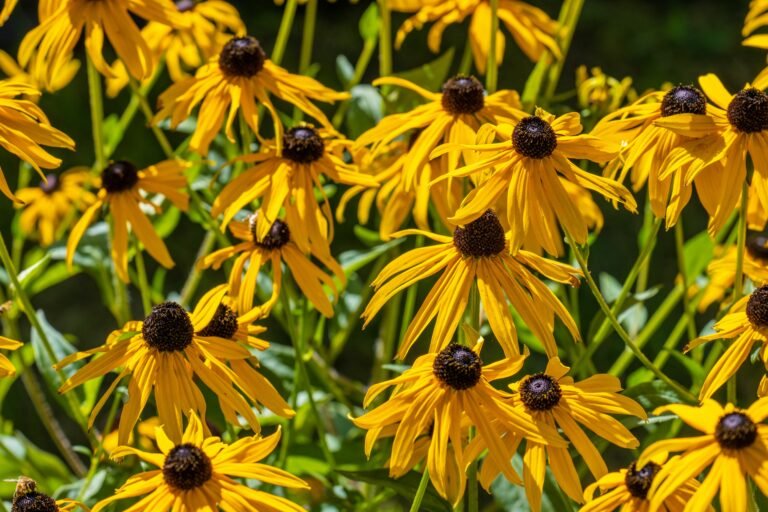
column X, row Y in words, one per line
column 458, row 366
column 242, row 56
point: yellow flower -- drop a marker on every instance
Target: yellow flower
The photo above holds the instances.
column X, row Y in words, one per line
column 440, row 390
column 239, row 77
column 274, row 248
column 734, row 446
column 645, row 157
column 165, row 353
column 28, row 498
column 5, row 12
column 627, row 489
column 14, row 71
column 552, row 398
column 24, row 128
column 52, row 42
column 453, row 116
column 526, row 165
column 531, row 28
column 6, row 367
column 198, row 473
column 54, row 204
column 734, row 126
column 476, row 254
column 747, row 321
column 209, row 24
column 123, row 190
column 722, row 271
column 756, row 19
column 288, row 182
column 601, row 93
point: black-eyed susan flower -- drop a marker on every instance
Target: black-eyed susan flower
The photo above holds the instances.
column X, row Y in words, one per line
column 24, row 128
column 734, row 126
column 476, row 254
column 526, row 165
column 451, row 117
column 53, row 41
column 722, row 270
column 531, row 28
column 209, row 24
column 275, row 248
column 124, row 189
column 27, row 498
column 734, row 446
column 440, row 390
column 15, row 72
column 290, row 181
column 199, row 473
column 166, row 353
column 648, row 146
column 6, row 366
column 54, row 204
column 237, row 79
column 627, row 490
column 757, row 18
column 555, row 399
column 747, row 321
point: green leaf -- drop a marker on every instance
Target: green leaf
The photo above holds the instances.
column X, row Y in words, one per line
column 354, row 260
column 32, row 272
column 166, row 222
column 695, row 369
column 610, row 287
column 654, row 394
column 697, row 253
column 366, row 108
column 53, row 275
column 370, row 23
column 344, row 70
column 431, row 75
column 20, row 457
column 405, row 486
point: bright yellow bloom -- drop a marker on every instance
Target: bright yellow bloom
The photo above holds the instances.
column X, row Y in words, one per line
column 208, row 26
column 722, row 271
column 238, row 78
column 28, row 498
column 53, row 41
column 199, row 473
column 165, row 353
column 54, row 204
column 476, row 254
column 531, row 28
column 600, row 93
column 734, row 446
column 5, row 12
column 627, row 489
column 123, row 190
column 451, row 117
column 647, row 146
column 552, row 398
column 756, row 18
column 526, row 165
column 747, row 321
column 24, row 128
column 276, row 247
column 736, row 125
column 14, row 71
column 440, row 391
column 6, row 367
column 290, row 182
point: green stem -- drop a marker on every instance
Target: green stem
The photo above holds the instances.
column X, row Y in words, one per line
column 642, row 278
column 97, row 114
column 684, row 393
column 680, row 247
column 193, row 279
column 147, row 110
column 385, row 39
column 465, row 65
column 421, row 491
column 362, row 65
column 141, row 272
column 286, row 24
column 96, row 458
column 569, row 18
column 308, row 36
column 492, row 73
column 738, row 282
column 473, row 496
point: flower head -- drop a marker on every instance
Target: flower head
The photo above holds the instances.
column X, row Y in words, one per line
column 27, row 498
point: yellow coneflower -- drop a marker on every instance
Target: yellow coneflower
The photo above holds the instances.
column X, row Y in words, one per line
column 526, row 165
column 747, row 321
column 649, row 146
column 8, row 6
column 440, row 390
column 756, row 19
column 734, row 126
column 531, row 28
column 15, row 72
column 27, row 498
column 289, row 181
column 209, row 24
column 722, row 270
column 198, row 473
column 165, row 353
column 53, row 41
column 627, row 489
column 552, row 398
column 734, row 445
column 453, row 116
column 6, row 366
column 54, row 204
column 123, row 190
column 238, row 78
column 276, row 247
column 24, row 128
column 476, row 254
